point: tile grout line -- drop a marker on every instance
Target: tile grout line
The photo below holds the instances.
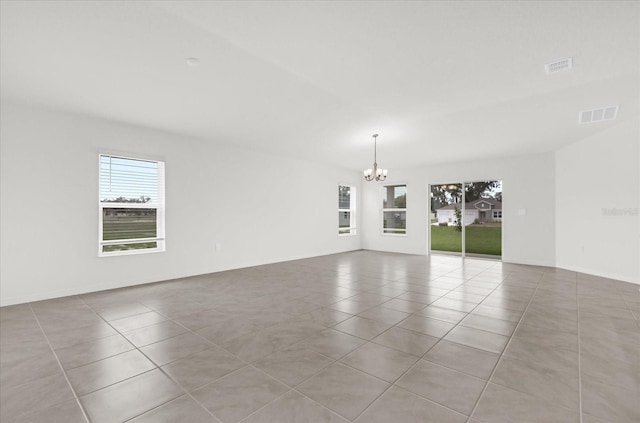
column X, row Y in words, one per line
column 137, row 348
column 421, row 357
column 531, row 394
column 186, row 392
column 455, row 325
column 371, row 341
column 385, row 390
column 393, row 385
column 156, row 365
column 484, row 389
column 64, row 373
column 579, row 343
column 579, row 352
column 626, row 303
column 294, row 388
column 220, row 378
column 272, row 401
column 248, row 364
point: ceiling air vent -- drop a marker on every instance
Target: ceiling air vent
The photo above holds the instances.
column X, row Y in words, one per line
column 598, row 115
column 558, row 66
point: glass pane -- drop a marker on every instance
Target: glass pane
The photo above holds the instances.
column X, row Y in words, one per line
column 125, row 247
column 128, row 223
column 128, row 180
column 446, row 218
column 344, row 219
column 344, row 197
column 394, row 222
column 394, row 197
column 483, row 218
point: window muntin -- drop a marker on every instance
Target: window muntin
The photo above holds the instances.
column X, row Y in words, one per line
column 131, row 203
column 346, row 210
column 497, row 214
column 394, row 209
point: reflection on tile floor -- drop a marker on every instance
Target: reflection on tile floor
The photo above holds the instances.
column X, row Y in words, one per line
column 361, row 336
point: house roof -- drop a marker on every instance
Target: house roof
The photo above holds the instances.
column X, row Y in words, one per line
column 495, row 204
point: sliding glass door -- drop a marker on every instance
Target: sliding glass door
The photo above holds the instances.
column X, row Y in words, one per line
column 466, row 218
column 483, row 229
column 445, row 218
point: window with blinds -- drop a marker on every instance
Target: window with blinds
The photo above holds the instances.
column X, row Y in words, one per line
column 131, row 205
column 346, row 210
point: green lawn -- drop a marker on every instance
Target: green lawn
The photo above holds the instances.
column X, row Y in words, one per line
column 129, row 227
column 479, row 239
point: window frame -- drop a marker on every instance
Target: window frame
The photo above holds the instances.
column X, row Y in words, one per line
column 394, row 232
column 159, row 207
column 352, row 229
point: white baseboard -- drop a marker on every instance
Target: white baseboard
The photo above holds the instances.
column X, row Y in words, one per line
column 86, row 289
column 75, row 290
column 59, row 293
column 528, row 262
column 608, row 275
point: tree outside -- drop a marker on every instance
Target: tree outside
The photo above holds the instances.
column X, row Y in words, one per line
column 458, row 214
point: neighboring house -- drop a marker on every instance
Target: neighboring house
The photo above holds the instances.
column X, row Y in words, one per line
column 483, row 210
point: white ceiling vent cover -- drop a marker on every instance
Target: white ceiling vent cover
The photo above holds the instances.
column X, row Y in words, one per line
column 558, row 66
column 598, row 115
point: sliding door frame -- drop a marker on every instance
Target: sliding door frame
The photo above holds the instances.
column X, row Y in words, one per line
column 463, row 252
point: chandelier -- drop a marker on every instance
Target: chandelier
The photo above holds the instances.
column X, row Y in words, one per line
column 375, row 173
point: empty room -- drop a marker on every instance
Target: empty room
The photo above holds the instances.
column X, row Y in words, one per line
column 319, row 211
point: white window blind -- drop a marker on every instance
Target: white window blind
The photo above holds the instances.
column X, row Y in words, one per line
column 131, row 205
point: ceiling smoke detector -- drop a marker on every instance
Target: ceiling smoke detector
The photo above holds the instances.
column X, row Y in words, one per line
column 598, row 115
column 558, row 66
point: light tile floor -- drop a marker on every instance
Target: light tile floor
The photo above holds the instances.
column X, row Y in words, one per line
column 361, row 336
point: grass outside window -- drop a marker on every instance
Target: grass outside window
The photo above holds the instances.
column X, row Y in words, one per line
column 480, row 239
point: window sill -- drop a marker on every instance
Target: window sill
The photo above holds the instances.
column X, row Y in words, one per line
column 131, row 252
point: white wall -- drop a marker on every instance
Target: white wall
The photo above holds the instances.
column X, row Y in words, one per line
column 595, row 176
column 259, row 208
column 528, row 183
